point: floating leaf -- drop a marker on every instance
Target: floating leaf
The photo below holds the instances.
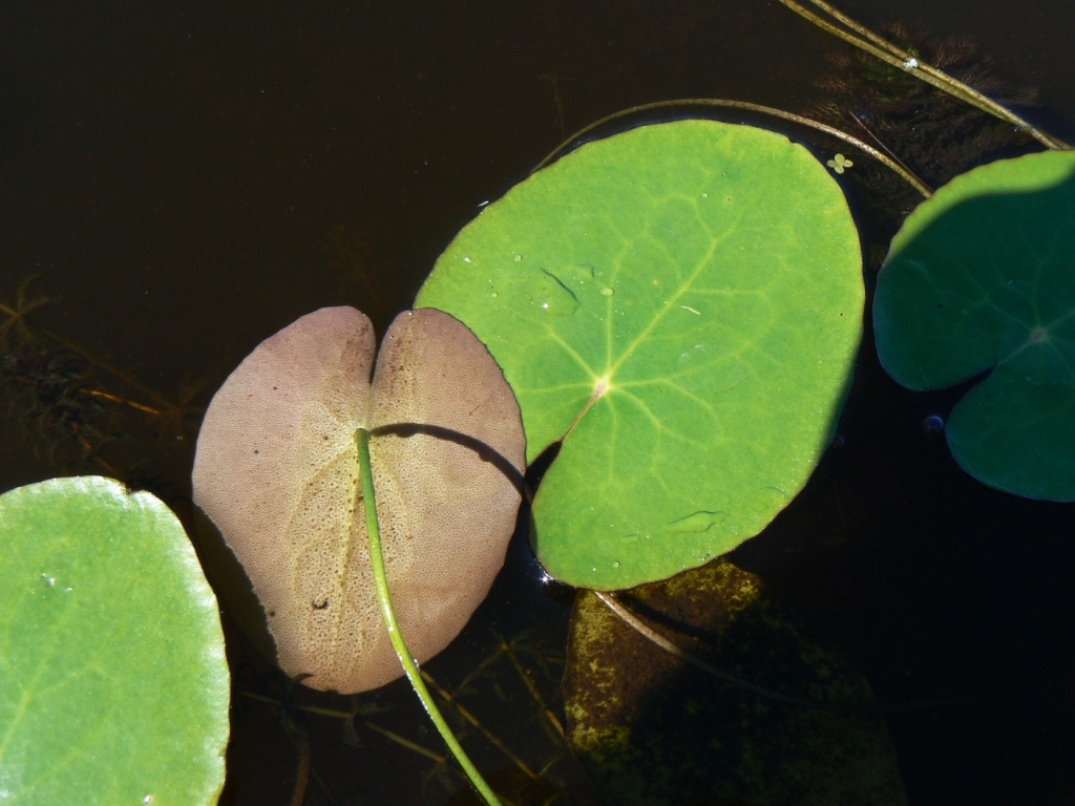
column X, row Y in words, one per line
column 277, row 471
column 654, row 730
column 680, row 305
column 980, row 279
column 115, row 686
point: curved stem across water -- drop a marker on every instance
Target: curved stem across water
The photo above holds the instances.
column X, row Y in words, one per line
column 410, row 666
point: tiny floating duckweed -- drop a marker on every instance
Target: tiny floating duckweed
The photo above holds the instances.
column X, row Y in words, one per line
column 840, row 163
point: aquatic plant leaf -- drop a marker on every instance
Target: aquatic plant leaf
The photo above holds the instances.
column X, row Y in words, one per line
column 115, row 685
column 980, row 279
column 680, row 306
column 276, row 470
column 654, row 730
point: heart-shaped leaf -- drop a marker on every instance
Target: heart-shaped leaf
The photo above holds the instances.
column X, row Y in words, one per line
column 982, row 278
column 114, row 682
column 680, row 305
column 276, row 470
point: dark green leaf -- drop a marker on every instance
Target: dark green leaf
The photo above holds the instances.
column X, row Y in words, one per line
column 980, row 279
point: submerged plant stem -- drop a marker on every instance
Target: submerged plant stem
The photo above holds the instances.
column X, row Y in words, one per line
column 862, row 37
column 919, row 186
column 473, row 720
column 410, row 666
column 863, row 707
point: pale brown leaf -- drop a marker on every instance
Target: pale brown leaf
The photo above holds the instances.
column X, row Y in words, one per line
column 277, row 471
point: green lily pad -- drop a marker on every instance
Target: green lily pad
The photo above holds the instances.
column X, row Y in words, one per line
column 115, row 686
column 654, row 730
column 679, row 306
column 981, row 278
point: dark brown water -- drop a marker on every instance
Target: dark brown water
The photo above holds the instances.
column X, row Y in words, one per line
column 190, row 179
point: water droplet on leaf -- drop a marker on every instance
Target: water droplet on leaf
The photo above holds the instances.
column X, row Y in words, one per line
column 553, row 296
column 933, row 424
column 693, row 354
column 580, row 275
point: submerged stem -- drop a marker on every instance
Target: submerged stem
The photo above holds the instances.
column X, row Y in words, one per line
column 864, row 707
column 410, row 666
column 862, row 37
column 801, row 120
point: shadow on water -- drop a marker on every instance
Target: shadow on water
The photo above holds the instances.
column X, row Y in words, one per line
column 938, row 585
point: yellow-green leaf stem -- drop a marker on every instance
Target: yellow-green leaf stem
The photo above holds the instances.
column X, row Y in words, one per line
column 362, row 440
